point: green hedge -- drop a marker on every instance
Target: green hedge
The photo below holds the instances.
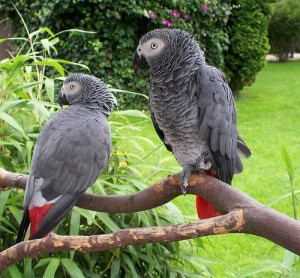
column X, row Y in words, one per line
column 120, row 24
column 284, row 28
column 247, row 30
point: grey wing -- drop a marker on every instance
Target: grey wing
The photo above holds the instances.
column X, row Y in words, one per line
column 160, row 133
column 66, row 162
column 218, row 121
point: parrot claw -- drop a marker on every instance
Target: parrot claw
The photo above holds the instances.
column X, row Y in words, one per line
column 203, row 164
column 184, row 176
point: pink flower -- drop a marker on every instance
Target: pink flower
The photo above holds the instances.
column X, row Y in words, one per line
column 170, row 24
column 205, row 8
column 174, row 13
column 186, row 16
column 210, row 1
column 153, row 15
column 164, row 21
column 167, row 22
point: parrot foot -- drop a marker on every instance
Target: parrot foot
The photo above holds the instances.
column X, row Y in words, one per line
column 203, row 164
column 184, row 176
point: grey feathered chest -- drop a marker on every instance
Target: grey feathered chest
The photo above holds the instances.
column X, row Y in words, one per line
column 177, row 115
column 192, row 106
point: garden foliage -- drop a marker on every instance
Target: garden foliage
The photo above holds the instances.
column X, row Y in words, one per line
column 120, row 24
column 28, row 82
column 284, row 28
column 247, row 31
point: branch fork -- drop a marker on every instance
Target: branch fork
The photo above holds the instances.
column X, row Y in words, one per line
column 241, row 214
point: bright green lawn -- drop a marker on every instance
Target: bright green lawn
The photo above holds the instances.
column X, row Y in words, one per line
column 268, row 114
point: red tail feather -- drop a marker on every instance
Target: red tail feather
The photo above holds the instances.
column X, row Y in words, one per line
column 36, row 215
column 204, row 208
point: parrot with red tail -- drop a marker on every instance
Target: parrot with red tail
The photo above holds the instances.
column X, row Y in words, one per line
column 192, row 108
column 70, row 153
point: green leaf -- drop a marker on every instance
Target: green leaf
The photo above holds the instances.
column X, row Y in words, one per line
column 131, row 113
column 131, row 265
column 112, row 225
column 40, row 31
column 61, row 61
column 52, row 63
column 287, row 161
column 115, row 268
column 11, row 121
column 74, row 228
column 43, row 262
column 6, row 162
column 3, row 199
column 46, row 45
column 89, row 215
column 72, row 268
column 75, row 31
column 75, row 223
column 127, row 92
column 29, row 146
column 289, row 259
column 16, row 213
column 28, row 85
column 18, row 62
column 51, row 268
column 10, row 104
column 39, row 106
column 49, row 84
column 14, row 271
column 28, row 268
column 283, row 197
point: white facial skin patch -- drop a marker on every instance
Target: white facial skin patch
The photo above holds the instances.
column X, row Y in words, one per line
column 71, row 88
column 151, row 47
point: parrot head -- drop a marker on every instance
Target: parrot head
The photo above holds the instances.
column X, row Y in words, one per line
column 86, row 89
column 164, row 49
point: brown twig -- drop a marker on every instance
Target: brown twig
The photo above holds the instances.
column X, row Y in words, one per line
column 242, row 214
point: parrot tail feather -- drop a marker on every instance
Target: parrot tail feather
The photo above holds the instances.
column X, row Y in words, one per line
column 24, row 226
column 204, row 208
column 36, row 215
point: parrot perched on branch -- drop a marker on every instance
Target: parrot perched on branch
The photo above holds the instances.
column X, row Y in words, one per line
column 71, row 151
column 192, row 108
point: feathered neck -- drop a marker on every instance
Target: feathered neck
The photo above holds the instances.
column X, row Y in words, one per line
column 178, row 63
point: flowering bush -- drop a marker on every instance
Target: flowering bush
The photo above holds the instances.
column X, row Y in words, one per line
column 120, row 24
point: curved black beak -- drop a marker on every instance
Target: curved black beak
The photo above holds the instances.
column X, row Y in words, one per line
column 62, row 100
column 139, row 62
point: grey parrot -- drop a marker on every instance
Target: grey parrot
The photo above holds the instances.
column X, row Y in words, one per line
column 192, row 108
column 70, row 153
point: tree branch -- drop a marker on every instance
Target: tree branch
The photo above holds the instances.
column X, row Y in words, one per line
column 231, row 222
column 242, row 214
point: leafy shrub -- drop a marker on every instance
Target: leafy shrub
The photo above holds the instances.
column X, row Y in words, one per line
column 119, row 25
column 247, row 31
column 27, row 83
column 284, row 27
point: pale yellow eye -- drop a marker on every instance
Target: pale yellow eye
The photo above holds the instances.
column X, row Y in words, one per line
column 72, row 86
column 154, row 45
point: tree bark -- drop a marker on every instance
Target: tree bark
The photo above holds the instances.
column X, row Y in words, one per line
column 241, row 214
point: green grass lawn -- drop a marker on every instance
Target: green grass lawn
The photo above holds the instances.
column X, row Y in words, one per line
column 268, row 116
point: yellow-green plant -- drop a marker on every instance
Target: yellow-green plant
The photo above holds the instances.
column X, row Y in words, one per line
column 28, row 82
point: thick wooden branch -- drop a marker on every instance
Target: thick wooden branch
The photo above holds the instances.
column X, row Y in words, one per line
column 232, row 222
column 242, row 214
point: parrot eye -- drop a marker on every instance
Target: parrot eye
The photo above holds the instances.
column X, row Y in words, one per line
column 154, row 45
column 72, row 86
